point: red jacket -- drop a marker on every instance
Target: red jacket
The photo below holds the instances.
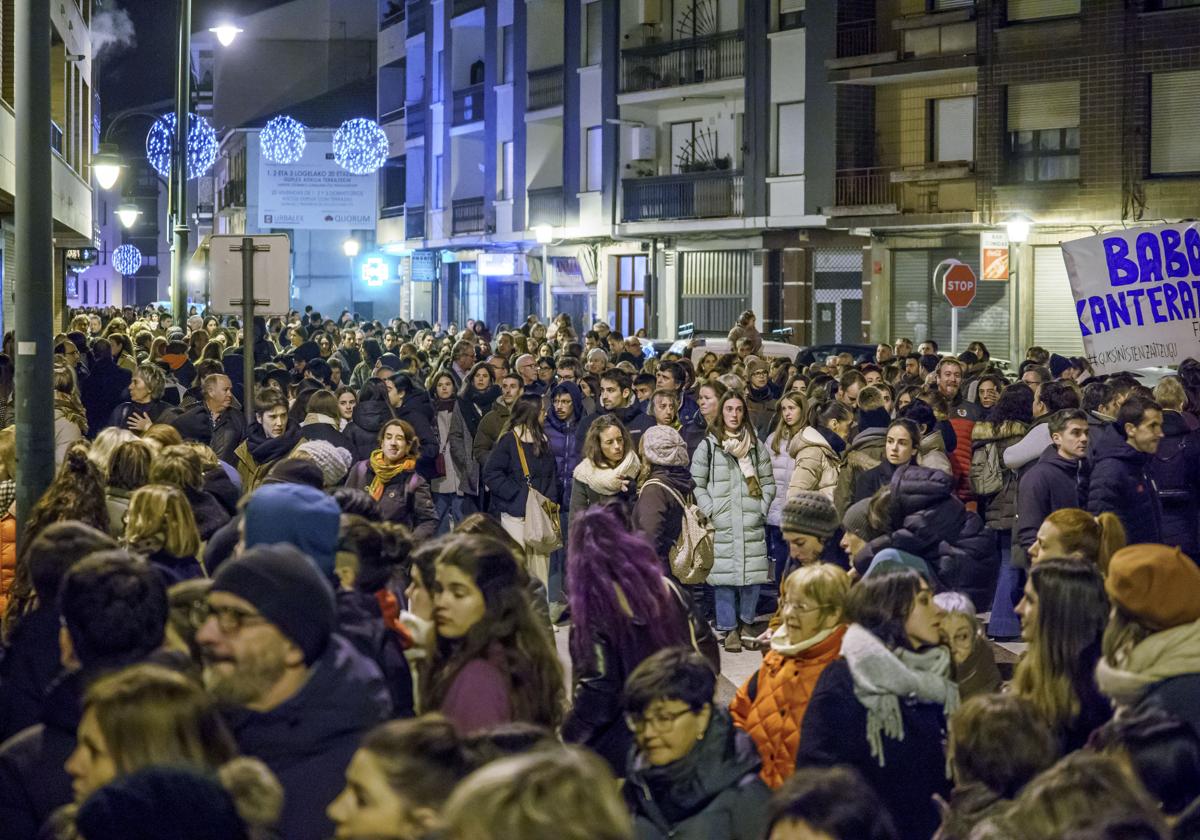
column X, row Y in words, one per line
column 8, row 557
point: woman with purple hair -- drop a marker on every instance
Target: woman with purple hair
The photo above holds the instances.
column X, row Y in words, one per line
column 615, row 625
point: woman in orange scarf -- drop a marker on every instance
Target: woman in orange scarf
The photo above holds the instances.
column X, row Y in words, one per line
column 390, row 477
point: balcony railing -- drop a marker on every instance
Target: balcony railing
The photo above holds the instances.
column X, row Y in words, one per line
column 545, row 88
column 546, row 206
column 391, row 212
column 705, row 59
column 468, row 105
column 414, row 126
column 865, row 187
column 414, row 221
column 858, row 37
column 416, row 18
column 56, row 137
column 691, row 195
column 461, row 7
column 391, row 12
column 466, row 215
column 390, row 112
column 232, row 194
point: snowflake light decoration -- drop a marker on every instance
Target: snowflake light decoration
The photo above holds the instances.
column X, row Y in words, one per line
column 127, row 259
column 360, row 146
column 201, row 145
column 282, row 140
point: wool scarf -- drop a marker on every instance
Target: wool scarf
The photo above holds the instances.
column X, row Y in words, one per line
column 781, row 645
column 385, row 472
column 882, row 677
column 739, row 447
column 608, row 481
column 1166, row 654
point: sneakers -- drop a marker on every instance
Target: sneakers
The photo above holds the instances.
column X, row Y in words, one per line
column 733, row 641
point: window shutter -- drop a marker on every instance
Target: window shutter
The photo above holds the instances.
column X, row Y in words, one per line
column 1053, row 303
column 1036, row 9
column 911, row 285
column 789, row 6
column 1175, row 122
column 1043, row 105
column 943, row 5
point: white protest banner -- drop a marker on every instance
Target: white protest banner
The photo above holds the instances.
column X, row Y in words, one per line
column 1137, row 293
column 315, row 193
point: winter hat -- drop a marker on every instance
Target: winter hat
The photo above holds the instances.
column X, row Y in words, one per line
column 968, row 358
column 810, row 513
column 874, row 418
column 295, row 471
column 289, row 513
column 160, row 803
column 893, row 559
column 307, row 351
column 283, row 584
column 1156, row 584
column 663, row 446
column 334, row 461
column 856, row 521
column 754, row 364
column 390, row 361
column 1058, row 365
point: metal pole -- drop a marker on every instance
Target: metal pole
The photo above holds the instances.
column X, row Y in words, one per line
column 954, row 330
column 546, row 298
column 1015, row 353
column 34, row 217
column 179, row 173
column 248, row 337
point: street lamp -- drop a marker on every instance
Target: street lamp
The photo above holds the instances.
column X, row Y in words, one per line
column 1018, row 227
column 545, row 235
column 128, row 214
column 351, row 247
column 107, row 165
column 226, row 33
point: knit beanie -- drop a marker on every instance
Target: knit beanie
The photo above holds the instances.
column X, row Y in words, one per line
column 307, row 351
column 1156, row 584
column 1058, row 365
column 810, row 513
column 893, row 559
column 306, row 517
column 390, row 361
column 160, row 803
column 295, row 471
column 333, row 460
column 857, row 522
column 288, row 589
column 873, row 418
column 663, row 446
column 755, row 364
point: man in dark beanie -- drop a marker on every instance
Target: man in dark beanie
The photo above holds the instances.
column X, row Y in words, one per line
column 298, row 696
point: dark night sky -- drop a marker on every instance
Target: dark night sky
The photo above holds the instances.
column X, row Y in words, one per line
column 127, row 78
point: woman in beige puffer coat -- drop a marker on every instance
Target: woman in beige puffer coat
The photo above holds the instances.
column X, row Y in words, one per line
column 820, row 449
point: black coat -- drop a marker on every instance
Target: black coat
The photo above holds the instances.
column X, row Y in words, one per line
column 209, row 513
column 834, row 731
column 418, row 411
column 224, row 438
column 360, row 620
column 406, row 500
column 503, row 477
column 694, row 431
column 107, row 383
column 363, row 429
column 328, row 433
column 1175, row 468
column 157, row 410
column 657, row 515
column 1049, row 484
column 634, row 417
column 1121, row 483
column 308, row 740
column 30, row 663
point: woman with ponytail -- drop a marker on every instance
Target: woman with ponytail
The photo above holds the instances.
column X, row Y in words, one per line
column 1075, row 534
column 623, row 609
column 820, row 448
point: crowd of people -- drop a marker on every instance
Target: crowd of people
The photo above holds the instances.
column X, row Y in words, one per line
column 338, row 618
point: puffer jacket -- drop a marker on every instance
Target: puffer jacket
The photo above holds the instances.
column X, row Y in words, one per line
column 739, row 518
column 963, row 417
column 932, row 453
column 1176, row 471
column 770, row 706
column 999, row 510
column 563, row 441
column 783, row 464
column 929, row 521
column 712, row 793
column 8, row 556
column 1121, row 483
column 817, row 464
column 864, row 453
column 656, row 514
column 363, row 430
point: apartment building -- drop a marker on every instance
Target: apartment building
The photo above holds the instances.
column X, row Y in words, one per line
column 649, row 161
column 71, row 137
column 957, row 116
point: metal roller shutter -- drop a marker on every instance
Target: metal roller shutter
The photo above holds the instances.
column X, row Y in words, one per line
column 1053, row 304
column 1175, row 122
column 714, row 288
column 910, row 295
column 1043, row 105
column 1035, row 9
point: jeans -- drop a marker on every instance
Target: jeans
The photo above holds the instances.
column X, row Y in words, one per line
column 735, row 604
column 556, row 585
column 1004, row 621
column 448, row 507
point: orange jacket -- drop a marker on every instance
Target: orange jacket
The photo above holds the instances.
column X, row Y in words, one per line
column 8, row 556
column 770, row 706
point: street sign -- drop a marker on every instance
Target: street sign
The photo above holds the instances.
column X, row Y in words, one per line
column 993, row 255
column 272, row 274
column 958, row 285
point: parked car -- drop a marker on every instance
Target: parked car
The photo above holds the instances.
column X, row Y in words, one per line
column 697, row 347
column 820, row 352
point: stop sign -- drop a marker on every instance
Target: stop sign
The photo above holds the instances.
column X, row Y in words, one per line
column 958, row 285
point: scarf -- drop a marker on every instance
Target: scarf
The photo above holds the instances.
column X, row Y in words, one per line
column 608, row 481
column 265, row 450
column 883, row 676
column 739, row 447
column 385, row 472
column 70, row 408
column 781, row 645
column 312, row 418
column 1161, row 656
column 833, row 439
column 444, row 405
column 475, row 404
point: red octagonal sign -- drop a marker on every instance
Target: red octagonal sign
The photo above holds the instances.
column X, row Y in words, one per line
column 958, row 285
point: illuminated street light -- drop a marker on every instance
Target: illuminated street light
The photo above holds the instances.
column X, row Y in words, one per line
column 107, row 165
column 195, row 275
column 351, row 247
column 226, row 33
column 1018, row 228
column 544, row 234
column 128, row 214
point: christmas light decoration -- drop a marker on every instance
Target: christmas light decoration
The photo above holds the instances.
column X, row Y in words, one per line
column 127, row 259
column 282, row 140
column 201, row 145
column 360, row 146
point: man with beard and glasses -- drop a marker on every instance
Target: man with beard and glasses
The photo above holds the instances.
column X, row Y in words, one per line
column 298, row 696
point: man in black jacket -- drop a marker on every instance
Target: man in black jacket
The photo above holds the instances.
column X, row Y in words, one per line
column 214, row 422
column 1052, row 481
column 1120, row 481
column 617, row 398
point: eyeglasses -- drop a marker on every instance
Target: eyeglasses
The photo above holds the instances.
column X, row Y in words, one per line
column 797, row 607
column 659, row 723
column 230, row 619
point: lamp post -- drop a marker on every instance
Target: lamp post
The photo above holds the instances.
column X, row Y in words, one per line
column 1018, row 227
column 545, row 235
column 351, row 247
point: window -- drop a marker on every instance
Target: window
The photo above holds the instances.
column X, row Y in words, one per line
column 631, row 294
column 1174, row 122
column 506, row 52
column 595, row 159
column 953, row 129
column 683, row 143
column 593, row 31
column 791, row 14
column 506, row 177
column 1043, row 132
column 436, row 93
column 436, row 198
column 1020, row 10
column 789, row 139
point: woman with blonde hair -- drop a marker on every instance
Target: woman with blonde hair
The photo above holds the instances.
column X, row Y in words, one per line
column 1073, row 533
column 128, row 469
column 790, row 417
column 183, row 467
column 70, row 420
column 105, row 444
column 160, row 526
column 161, row 435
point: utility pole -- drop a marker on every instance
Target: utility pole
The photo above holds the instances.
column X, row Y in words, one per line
column 179, row 166
column 34, row 218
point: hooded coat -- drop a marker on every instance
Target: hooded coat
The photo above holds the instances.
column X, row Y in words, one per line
column 361, row 621
column 1001, row 509
column 712, row 793
column 782, row 466
column 1175, row 468
column 817, row 464
column 563, row 442
column 864, row 453
column 258, row 453
column 722, row 494
column 308, row 740
column 1121, row 483
column 656, row 514
column 930, row 522
column 363, row 429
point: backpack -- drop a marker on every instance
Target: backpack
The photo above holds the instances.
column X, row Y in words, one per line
column 987, row 473
column 691, row 557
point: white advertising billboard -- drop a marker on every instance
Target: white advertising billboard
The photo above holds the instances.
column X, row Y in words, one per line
column 314, row 193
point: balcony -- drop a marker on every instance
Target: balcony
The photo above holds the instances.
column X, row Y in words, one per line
column 390, row 112
column 545, row 89
column 546, row 207
column 391, row 12
column 868, row 191
column 414, row 221
column 414, row 126
column 416, row 17
column 690, row 195
column 466, row 215
column 232, row 195
column 468, row 105
column 56, row 137
column 934, row 45
column 461, row 7
column 691, row 61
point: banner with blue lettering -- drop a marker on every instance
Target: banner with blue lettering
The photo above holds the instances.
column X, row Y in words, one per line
column 1137, row 295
